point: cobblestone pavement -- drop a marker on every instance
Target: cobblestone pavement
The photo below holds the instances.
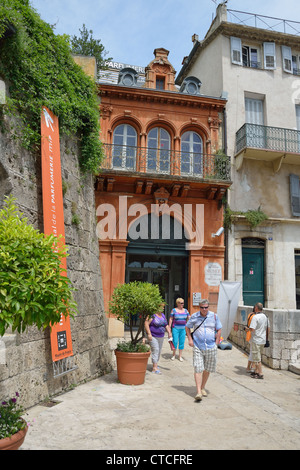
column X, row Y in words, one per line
column 238, row 413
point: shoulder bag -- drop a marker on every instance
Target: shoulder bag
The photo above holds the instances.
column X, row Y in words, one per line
column 192, row 332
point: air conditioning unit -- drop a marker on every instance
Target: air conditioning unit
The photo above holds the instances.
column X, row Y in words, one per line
column 128, row 77
column 191, row 86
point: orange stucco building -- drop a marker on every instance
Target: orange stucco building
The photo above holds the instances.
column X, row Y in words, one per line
column 159, row 193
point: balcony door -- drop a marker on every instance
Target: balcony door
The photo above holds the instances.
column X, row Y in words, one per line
column 159, row 146
column 124, row 147
column 254, row 109
column 191, row 154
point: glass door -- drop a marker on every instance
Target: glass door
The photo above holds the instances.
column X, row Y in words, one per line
column 168, row 272
column 153, row 276
column 255, row 120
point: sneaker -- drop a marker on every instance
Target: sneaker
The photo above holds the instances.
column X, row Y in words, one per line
column 198, row 397
column 204, row 394
column 180, row 359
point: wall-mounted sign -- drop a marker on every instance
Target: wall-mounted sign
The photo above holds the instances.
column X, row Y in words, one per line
column 61, row 341
column 196, row 298
column 213, row 274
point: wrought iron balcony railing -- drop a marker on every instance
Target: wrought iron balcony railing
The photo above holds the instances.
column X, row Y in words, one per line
column 166, row 162
column 269, row 138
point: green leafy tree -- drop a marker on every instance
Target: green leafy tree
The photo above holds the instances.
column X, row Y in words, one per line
column 33, row 288
column 87, row 45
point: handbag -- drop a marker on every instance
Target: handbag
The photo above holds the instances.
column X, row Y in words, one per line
column 192, row 332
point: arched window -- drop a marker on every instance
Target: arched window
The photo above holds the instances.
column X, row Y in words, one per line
column 191, row 154
column 124, row 147
column 158, row 159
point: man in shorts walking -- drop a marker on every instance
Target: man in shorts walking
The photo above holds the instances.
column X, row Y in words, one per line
column 259, row 328
column 206, row 336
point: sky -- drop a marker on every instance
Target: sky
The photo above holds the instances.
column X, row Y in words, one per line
column 130, row 30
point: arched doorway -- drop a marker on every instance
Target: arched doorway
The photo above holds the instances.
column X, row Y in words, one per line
column 160, row 257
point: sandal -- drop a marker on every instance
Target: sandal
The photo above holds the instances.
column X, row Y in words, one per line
column 254, row 375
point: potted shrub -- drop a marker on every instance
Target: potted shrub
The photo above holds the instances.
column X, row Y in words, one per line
column 33, row 289
column 132, row 303
column 13, row 427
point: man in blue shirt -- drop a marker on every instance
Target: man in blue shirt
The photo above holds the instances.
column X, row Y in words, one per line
column 206, row 336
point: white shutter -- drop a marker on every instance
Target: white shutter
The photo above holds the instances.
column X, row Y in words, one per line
column 298, row 116
column 295, row 195
column 236, row 50
column 286, row 59
column 254, row 111
column 269, row 55
column 298, row 125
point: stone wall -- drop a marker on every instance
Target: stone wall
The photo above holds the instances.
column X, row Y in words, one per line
column 284, row 350
column 25, row 359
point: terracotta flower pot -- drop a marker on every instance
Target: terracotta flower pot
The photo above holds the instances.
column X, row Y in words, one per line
column 131, row 367
column 15, row 441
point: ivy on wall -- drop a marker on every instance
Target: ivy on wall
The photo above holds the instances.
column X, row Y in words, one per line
column 39, row 69
column 254, row 217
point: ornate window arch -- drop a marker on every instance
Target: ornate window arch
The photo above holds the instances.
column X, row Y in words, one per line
column 191, row 153
column 124, row 147
column 158, row 150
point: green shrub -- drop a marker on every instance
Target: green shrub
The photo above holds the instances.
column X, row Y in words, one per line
column 33, row 289
column 135, row 301
column 254, row 217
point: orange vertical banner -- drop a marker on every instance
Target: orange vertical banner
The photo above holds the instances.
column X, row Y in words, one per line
column 61, row 340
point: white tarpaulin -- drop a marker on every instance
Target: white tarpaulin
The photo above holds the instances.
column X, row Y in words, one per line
column 229, row 296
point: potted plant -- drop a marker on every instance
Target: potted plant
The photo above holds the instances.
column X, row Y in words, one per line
column 132, row 303
column 13, row 427
column 33, row 289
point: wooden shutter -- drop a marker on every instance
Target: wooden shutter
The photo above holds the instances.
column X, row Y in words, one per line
column 269, row 55
column 236, row 50
column 295, row 195
column 298, row 116
column 286, row 59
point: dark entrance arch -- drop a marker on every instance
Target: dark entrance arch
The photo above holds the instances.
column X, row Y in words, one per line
column 160, row 257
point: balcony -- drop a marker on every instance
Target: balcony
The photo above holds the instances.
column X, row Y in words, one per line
column 275, row 144
column 166, row 162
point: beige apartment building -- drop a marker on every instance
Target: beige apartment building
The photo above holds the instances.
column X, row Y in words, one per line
column 257, row 69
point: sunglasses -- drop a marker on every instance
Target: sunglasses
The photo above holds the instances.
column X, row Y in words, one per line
column 203, row 307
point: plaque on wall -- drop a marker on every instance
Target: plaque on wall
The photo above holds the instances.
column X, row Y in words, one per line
column 213, row 274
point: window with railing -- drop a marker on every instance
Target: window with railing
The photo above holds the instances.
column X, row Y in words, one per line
column 158, row 158
column 191, row 154
column 195, row 165
column 124, row 147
